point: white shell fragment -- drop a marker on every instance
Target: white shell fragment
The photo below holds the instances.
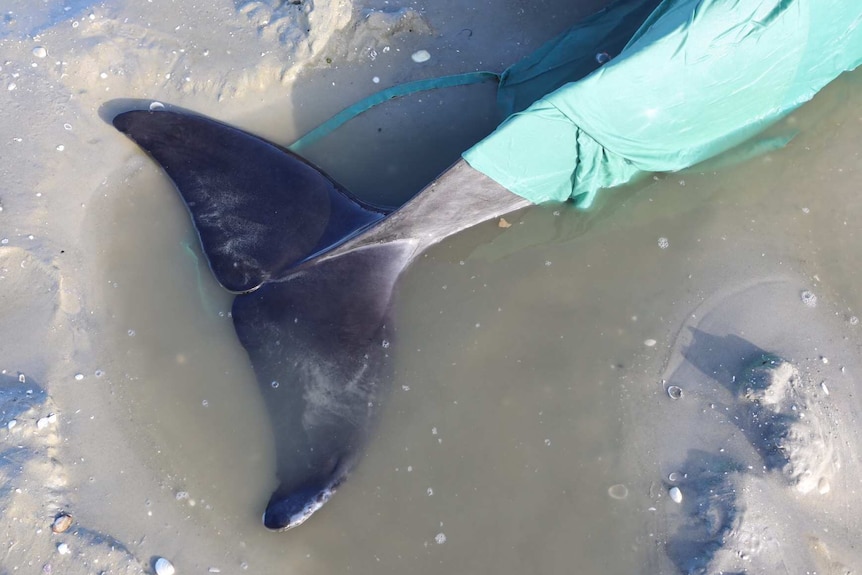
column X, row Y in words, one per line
column 164, row 567
column 40, row 52
column 420, row 56
column 675, row 494
column 63, row 549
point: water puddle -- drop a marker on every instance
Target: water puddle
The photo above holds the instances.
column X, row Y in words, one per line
column 525, row 431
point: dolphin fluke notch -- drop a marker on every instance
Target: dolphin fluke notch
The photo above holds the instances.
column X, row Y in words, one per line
column 259, row 209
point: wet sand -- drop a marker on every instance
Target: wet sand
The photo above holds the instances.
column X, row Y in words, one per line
column 531, row 426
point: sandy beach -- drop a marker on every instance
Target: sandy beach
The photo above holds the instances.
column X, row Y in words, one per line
column 666, row 384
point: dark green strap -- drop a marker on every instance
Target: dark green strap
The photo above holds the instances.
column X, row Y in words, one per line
column 398, row 91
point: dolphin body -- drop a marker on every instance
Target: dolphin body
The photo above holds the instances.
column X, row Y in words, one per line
column 314, row 269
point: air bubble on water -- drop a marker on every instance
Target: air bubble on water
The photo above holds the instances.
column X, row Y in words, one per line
column 808, row 298
column 618, row 491
column 853, row 320
column 429, row 491
column 663, row 243
column 274, row 384
column 385, row 344
column 205, row 403
column 131, row 333
column 440, row 538
column 99, row 373
column 548, row 442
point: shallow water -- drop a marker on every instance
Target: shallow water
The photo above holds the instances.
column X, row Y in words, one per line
column 529, row 361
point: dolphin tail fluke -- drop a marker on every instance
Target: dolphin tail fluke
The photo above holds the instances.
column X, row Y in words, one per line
column 317, row 270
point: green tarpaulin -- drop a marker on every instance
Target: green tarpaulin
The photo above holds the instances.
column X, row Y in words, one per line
column 694, row 79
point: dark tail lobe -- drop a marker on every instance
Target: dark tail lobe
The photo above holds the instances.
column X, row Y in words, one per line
column 259, row 209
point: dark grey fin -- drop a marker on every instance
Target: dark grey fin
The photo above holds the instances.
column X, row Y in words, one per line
column 318, row 341
column 259, row 209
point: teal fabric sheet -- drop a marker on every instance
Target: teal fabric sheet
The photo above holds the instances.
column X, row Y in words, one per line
column 694, row 79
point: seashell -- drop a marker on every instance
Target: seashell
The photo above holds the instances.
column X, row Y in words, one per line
column 420, row 56
column 61, row 523
column 164, row 567
column 675, row 494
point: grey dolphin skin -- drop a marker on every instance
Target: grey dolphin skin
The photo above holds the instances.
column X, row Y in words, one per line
column 314, row 270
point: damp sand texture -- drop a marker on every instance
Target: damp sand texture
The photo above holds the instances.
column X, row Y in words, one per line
column 532, row 425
